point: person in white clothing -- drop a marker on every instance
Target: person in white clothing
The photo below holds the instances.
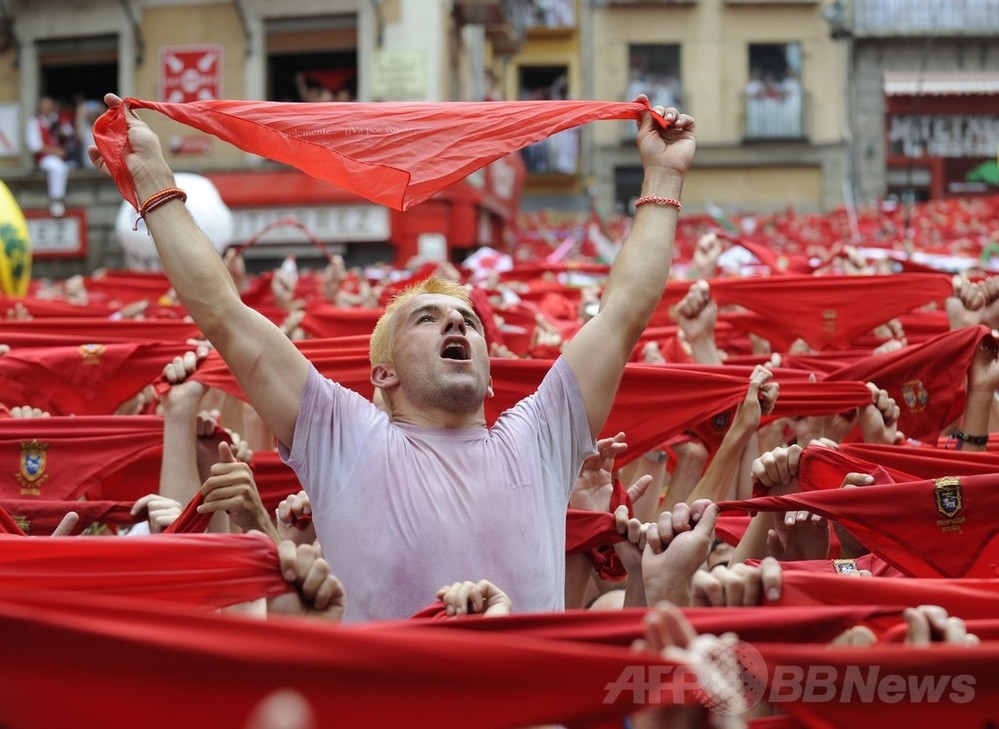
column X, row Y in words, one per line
column 48, row 137
column 422, row 493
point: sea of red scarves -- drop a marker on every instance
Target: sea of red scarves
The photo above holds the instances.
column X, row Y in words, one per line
column 121, row 632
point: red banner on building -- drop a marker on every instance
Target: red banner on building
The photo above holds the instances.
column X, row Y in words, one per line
column 191, row 73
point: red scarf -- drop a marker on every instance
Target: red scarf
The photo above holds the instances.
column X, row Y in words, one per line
column 206, row 570
column 40, row 518
column 63, row 458
column 922, row 461
column 84, row 330
column 395, row 154
column 939, row 685
column 104, row 653
column 326, row 321
column 88, row 379
column 943, row 528
column 652, row 403
column 926, row 380
column 828, row 311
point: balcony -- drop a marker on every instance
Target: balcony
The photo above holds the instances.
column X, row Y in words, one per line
column 554, row 17
column 556, row 156
column 885, row 18
column 776, row 116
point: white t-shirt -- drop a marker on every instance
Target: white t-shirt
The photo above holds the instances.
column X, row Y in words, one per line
column 402, row 510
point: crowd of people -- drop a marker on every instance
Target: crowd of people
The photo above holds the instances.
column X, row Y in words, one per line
column 613, row 463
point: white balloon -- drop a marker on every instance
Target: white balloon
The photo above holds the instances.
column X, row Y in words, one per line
column 207, row 207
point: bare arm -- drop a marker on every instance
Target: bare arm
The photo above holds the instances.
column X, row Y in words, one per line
column 720, row 480
column 266, row 364
column 598, row 353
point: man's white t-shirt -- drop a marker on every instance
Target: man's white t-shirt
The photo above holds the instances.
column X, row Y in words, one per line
column 401, row 510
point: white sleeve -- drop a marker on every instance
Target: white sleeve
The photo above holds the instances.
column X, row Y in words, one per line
column 33, row 136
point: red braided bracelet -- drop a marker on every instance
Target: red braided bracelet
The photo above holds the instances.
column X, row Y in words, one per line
column 159, row 198
column 657, row 200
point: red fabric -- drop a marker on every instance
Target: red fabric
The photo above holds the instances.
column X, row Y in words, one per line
column 870, row 562
column 104, row 654
column 205, row 570
column 345, row 360
column 889, row 686
column 923, row 462
column 43, row 308
column 731, row 527
column 912, row 526
column 653, row 402
column 326, row 321
column 926, row 380
column 84, row 330
column 586, row 530
column 480, row 301
column 126, row 286
column 984, row 629
column 396, row 154
column 40, row 518
column 190, row 521
column 8, row 525
column 825, row 468
column 828, row 311
column 604, row 558
column 101, row 456
column 965, row 598
column 274, row 478
column 621, row 627
column 89, row 379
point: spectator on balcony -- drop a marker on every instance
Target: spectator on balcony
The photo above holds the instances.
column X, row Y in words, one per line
column 755, row 89
column 51, row 137
column 311, row 91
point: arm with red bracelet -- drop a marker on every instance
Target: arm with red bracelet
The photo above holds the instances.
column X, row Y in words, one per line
column 269, row 368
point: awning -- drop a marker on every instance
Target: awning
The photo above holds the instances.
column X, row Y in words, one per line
column 941, row 83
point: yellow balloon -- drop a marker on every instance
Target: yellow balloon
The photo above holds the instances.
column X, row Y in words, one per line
column 15, row 246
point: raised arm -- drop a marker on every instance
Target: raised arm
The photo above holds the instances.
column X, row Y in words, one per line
column 599, row 351
column 266, row 364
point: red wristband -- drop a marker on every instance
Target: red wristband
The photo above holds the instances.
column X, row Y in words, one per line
column 159, row 198
column 657, row 200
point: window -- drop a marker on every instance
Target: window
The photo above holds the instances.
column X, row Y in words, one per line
column 627, row 188
column 76, row 73
column 312, row 59
column 773, row 94
column 654, row 70
column 559, row 154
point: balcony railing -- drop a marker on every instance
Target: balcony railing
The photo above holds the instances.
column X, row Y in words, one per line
column 559, row 154
column 777, row 116
column 531, row 14
column 921, row 17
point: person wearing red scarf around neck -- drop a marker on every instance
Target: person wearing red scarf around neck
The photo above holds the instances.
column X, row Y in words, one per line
column 413, row 497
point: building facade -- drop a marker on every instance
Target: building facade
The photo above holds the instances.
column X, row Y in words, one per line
column 763, row 80
column 296, row 50
column 925, row 96
column 802, row 103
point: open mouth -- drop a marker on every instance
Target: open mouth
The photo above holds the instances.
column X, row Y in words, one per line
column 455, row 350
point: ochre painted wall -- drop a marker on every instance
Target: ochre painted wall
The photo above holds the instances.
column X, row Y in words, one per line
column 771, row 187
column 192, row 25
column 714, row 38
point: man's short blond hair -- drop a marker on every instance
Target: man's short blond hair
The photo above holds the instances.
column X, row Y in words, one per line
column 383, row 337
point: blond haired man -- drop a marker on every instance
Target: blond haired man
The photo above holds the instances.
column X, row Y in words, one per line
column 420, row 493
